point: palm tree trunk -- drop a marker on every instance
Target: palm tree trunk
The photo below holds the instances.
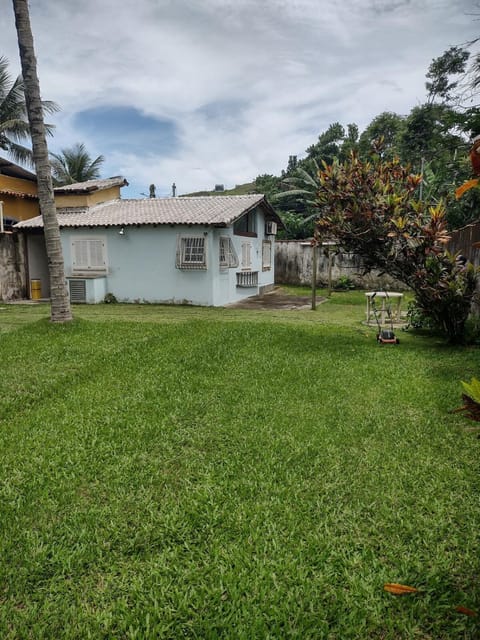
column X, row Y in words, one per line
column 60, row 304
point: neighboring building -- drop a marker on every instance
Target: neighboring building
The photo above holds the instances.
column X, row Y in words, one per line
column 18, row 201
column 18, row 193
column 211, row 250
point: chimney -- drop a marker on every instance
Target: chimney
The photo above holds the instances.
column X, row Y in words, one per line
column 174, row 190
column 152, row 191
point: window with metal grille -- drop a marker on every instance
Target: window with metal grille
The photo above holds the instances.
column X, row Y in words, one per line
column 228, row 256
column 191, row 253
column 89, row 254
column 266, row 255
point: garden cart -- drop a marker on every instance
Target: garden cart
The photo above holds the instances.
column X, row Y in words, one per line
column 384, row 336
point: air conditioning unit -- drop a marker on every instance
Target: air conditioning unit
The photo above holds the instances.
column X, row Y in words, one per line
column 78, row 290
column 270, row 228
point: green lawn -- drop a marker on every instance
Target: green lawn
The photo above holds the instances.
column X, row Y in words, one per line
column 217, row 473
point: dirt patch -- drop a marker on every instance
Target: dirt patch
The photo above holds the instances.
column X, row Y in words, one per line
column 276, row 299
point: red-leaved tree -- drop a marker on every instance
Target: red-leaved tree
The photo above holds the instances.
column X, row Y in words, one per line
column 372, row 209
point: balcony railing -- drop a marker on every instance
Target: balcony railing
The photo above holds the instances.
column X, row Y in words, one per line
column 247, row 279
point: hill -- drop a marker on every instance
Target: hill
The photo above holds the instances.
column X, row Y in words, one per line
column 238, row 190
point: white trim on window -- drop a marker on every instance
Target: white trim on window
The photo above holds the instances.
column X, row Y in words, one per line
column 191, row 252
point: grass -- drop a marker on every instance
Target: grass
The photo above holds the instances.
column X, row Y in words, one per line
column 218, row 473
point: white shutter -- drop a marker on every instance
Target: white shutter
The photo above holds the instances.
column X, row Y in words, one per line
column 89, row 254
column 266, row 255
column 97, row 254
column 246, row 255
column 80, row 254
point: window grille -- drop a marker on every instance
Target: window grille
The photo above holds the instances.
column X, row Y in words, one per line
column 227, row 255
column 246, row 279
column 191, row 253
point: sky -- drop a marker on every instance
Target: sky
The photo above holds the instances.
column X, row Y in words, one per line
column 206, row 92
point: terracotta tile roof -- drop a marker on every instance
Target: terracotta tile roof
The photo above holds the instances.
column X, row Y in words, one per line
column 92, row 185
column 18, row 194
column 206, row 210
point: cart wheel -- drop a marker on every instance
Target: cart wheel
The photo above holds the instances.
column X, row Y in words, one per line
column 398, row 341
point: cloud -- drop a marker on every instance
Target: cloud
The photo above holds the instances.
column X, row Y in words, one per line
column 220, row 91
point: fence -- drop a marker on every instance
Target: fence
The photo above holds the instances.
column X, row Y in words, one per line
column 293, row 265
column 462, row 241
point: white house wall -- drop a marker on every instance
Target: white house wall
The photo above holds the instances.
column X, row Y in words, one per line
column 141, row 264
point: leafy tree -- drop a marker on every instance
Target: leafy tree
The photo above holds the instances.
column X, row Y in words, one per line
column 14, row 127
column 299, row 195
column 267, row 184
column 328, row 145
column 372, row 209
column 60, row 303
column 452, row 62
column 297, row 227
column 350, row 142
column 387, row 126
column 74, row 165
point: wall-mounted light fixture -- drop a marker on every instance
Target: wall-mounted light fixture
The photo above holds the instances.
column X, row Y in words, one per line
column 121, row 232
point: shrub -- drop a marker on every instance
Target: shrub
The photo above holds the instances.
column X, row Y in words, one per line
column 344, row 283
column 372, row 209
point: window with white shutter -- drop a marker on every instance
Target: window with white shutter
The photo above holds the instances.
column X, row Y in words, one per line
column 266, row 255
column 246, row 255
column 89, row 255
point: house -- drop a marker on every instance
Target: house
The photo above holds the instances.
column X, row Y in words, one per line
column 210, row 250
column 18, row 201
column 18, row 193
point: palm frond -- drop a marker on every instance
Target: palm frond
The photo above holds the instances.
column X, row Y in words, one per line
column 20, row 154
column 291, row 192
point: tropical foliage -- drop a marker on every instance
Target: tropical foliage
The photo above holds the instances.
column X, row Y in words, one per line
column 74, row 164
column 372, row 208
column 14, row 127
column 433, row 138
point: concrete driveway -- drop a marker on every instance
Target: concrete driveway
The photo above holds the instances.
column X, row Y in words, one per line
column 276, row 299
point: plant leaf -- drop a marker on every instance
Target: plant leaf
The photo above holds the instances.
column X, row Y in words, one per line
column 466, row 186
column 465, row 611
column 399, row 589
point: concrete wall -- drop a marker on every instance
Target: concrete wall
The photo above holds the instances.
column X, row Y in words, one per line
column 12, row 267
column 293, row 265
